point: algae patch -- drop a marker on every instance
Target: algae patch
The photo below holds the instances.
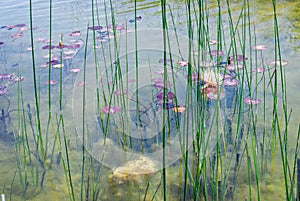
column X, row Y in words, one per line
column 134, row 170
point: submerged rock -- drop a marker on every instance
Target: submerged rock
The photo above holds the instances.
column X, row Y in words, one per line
column 134, row 170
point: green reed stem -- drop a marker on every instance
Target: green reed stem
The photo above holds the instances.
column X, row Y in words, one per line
column 83, row 115
column 36, row 96
column 164, row 27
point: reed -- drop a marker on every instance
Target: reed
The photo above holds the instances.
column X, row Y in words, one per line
column 227, row 143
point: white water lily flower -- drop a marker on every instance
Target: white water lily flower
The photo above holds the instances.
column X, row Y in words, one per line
column 211, row 77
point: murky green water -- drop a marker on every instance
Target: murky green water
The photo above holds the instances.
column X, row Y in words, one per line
column 69, row 16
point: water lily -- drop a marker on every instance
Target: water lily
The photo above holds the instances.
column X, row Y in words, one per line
column 183, row 63
column 3, row 91
column 119, row 92
column 194, row 76
column 211, row 77
column 23, row 28
column 215, row 96
column 9, row 27
column 5, row 76
column 233, row 67
column 259, row 70
column 47, row 47
column 213, row 42
column 53, row 62
column 111, row 109
column 81, row 84
column 70, row 52
column 216, row 53
column 238, row 57
column 75, row 33
column 230, row 82
column 73, row 46
column 252, row 101
column 170, row 95
column 20, row 25
column 278, row 62
column 179, row 109
column 47, row 56
column 18, row 79
column 75, row 70
column 59, row 65
column 95, row 27
column 259, row 47
column 17, row 35
column 51, row 82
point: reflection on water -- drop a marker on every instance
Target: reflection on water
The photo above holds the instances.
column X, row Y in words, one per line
column 70, row 19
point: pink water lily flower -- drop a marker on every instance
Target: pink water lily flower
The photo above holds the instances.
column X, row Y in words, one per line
column 232, row 67
column 213, row 42
column 252, row 101
column 216, row 53
column 277, row 62
column 17, row 35
column 215, row 96
column 81, row 84
column 259, row 70
column 3, row 91
column 183, row 63
column 52, row 82
column 230, row 82
column 111, row 109
column 5, row 76
column 18, row 79
column 119, row 92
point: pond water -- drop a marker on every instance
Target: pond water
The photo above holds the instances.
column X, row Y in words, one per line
column 127, row 164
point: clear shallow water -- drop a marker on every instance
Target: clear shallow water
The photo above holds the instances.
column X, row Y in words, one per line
column 71, row 16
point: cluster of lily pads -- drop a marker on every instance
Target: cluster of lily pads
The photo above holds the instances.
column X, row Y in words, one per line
column 214, row 78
